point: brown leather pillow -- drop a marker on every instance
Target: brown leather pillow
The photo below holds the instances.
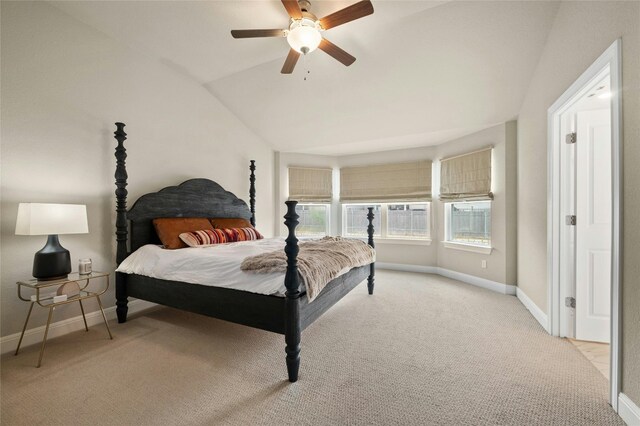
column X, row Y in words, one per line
column 170, row 228
column 222, row 223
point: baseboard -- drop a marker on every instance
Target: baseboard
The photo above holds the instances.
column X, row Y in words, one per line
column 407, row 268
column 537, row 313
column 628, row 410
column 466, row 278
column 34, row 335
column 479, row 282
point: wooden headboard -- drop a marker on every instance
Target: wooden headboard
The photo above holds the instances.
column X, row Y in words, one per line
column 192, row 198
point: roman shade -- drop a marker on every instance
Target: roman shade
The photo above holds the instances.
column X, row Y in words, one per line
column 308, row 184
column 387, row 182
column 466, row 177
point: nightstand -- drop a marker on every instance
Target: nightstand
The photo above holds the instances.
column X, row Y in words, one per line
column 53, row 293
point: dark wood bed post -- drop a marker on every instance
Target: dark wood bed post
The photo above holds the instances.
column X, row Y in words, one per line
column 121, row 221
column 292, row 331
column 372, row 267
column 252, row 191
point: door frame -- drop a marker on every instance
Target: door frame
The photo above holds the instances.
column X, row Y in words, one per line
column 611, row 58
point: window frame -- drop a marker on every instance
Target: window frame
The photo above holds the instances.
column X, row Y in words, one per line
column 327, row 230
column 461, row 245
column 383, row 235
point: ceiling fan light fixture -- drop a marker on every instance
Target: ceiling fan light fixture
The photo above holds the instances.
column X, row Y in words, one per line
column 304, row 36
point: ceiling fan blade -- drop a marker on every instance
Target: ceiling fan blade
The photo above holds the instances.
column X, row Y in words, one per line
column 293, row 8
column 337, row 53
column 256, row 33
column 348, row 14
column 290, row 62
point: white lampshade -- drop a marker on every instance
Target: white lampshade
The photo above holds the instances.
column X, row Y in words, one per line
column 303, row 36
column 51, row 219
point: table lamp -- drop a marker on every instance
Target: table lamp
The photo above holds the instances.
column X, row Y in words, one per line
column 53, row 261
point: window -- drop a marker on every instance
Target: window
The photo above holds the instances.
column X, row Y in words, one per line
column 355, row 220
column 400, row 221
column 408, row 220
column 469, row 223
column 313, row 220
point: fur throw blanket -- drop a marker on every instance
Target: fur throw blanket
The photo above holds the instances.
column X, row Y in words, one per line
column 319, row 261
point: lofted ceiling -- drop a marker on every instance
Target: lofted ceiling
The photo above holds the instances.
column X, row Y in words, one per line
column 426, row 71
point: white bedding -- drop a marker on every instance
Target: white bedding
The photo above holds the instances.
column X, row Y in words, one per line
column 217, row 265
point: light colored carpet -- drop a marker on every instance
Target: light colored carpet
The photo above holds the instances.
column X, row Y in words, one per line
column 423, row 350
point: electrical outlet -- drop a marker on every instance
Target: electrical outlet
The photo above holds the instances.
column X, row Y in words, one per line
column 484, row 264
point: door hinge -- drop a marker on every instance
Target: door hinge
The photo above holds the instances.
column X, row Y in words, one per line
column 571, row 138
column 570, row 302
column 571, row 220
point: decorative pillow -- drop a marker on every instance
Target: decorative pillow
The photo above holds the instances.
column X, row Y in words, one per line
column 242, row 234
column 209, row 237
column 222, row 223
column 169, row 229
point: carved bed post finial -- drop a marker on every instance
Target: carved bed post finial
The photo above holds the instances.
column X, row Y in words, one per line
column 252, row 191
column 372, row 267
column 292, row 329
column 121, row 220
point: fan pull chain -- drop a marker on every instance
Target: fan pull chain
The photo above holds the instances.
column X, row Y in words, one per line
column 306, row 67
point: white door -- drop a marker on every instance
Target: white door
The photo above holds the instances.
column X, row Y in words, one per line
column 593, row 227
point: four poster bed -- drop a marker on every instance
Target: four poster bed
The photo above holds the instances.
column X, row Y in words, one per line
column 288, row 314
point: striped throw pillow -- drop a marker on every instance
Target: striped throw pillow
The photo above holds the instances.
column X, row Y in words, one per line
column 208, row 237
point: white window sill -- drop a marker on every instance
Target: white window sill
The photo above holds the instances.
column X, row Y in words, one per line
column 468, row 247
column 403, row 241
column 399, row 241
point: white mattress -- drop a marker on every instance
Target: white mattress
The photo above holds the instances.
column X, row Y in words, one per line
column 217, row 265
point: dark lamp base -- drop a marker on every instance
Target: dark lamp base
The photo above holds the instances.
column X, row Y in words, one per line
column 52, row 262
column 61, row 277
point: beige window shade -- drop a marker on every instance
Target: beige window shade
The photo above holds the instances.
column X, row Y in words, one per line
column 310, row 184
column 387, row 182
column 466, row 177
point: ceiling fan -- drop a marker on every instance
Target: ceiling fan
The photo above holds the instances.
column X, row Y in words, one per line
column 304, row 32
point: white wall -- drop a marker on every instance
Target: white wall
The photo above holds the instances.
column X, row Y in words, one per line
column 501, row 263
column 63, row 87
column 581, row 32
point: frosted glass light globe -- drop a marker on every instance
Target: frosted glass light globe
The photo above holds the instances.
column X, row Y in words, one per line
column 303, row 36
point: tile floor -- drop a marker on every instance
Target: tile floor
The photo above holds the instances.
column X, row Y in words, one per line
column 596, row 353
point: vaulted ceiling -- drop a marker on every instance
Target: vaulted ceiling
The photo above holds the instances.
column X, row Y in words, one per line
column 426, row 71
